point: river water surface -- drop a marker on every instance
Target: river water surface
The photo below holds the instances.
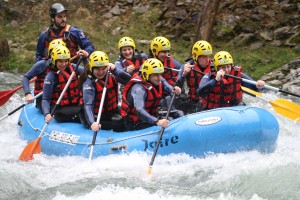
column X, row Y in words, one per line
column 242, row 175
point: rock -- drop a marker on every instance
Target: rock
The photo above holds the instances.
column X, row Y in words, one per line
column 283, row 33
column 256, row 17
column 288, row 8
column 13, row 24
column 181, row 14
column 144, row 41
column 107, row 24
column 140, row 9
column 266, row 35
column 244, row 39
column 297, row 47
column 256, row 45
column 270, row 13
column 115, row 10
column 289, row 41
column 276, row 43
column 108, row 15
column 286, row 77
column 116, row 30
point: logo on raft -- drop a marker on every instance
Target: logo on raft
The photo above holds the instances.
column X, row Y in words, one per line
column 163, row 143
column 208, row 121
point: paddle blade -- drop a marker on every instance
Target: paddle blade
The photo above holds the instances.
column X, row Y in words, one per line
column 5, row 95
column 287, row 109
column 33, row 147
column 149, row 171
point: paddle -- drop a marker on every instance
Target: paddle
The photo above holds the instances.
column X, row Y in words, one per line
column 99, row 115
column 284, row 107
column 18, row 108
column 266, row 86
column 5, row 95
column 160, row 136
column 34, row 147
column 173, row 69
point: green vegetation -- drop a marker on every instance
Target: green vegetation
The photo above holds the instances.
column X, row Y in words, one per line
column 261, row 61
column 140, row 27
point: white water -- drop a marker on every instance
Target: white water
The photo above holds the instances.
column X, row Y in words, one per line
column 243, row 175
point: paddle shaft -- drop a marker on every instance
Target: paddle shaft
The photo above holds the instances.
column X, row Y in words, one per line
column 173, row 69
column 160, row 136
column 18, row 108
column 198, row 71
column 30, row 149
column 99, row 115
column 266, row 86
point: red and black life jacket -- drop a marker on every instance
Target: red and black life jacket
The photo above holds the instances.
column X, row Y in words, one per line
column 154, row 95
column 111, row 98
column 136, row 62
column 72, row 96
column 65, row 35
column 226, row 93
column 193, row 80
column 169, row 74
column 39, row 82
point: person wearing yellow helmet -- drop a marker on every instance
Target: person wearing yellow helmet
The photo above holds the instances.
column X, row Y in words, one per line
column 201, row 53
column 92, row 81
column 160, row 48
column 75, row 39
column 221, row 90
column 192, row 73
column 55, row 82
column 142, row 95
column 39, row 70
column 129, row 60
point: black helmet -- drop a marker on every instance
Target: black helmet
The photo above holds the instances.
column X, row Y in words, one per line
column 55, row 9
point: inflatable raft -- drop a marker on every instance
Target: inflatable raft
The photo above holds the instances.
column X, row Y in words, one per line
column 223, row 130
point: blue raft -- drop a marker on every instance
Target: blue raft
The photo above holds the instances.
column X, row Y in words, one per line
column 223, row 130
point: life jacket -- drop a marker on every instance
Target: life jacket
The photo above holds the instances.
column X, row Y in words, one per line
column 193, row 80
column 111, row 97
column 65, row 35
column 169, row 74
column 226, row 93
column 136, row 61
column 154, row 96
column 72, row 96
column 39, row 82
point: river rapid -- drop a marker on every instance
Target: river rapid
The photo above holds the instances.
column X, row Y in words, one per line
column 236, row 176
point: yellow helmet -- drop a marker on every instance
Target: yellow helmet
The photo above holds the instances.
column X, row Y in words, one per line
column 222, row 58
column 98, row 59
column 152, row 66
column 159, row 44
column 54, row 43
column 201, row 48
column 125, row 42
column 60, row 53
